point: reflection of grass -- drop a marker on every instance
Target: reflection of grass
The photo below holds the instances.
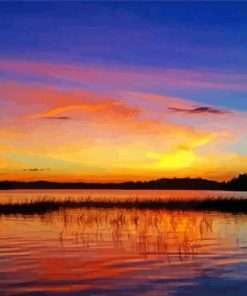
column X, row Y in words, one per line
column 145, row 232
column 43, row 206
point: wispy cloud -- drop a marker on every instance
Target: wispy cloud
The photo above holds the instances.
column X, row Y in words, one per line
column 36, row 169
column 128, row 77
column 200, row 110
column 58, row 117
column 104, row 107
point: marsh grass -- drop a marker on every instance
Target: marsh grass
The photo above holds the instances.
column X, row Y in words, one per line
column 44, row 205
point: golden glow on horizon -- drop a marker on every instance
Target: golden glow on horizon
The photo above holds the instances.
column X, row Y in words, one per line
column 177, row 160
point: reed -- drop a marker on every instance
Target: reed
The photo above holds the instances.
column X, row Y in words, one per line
column 43, row 206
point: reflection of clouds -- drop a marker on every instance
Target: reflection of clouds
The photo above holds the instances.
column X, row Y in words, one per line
column 113, row 249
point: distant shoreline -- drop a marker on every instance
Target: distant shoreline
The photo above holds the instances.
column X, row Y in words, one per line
column 236, row 184
column 125, row 189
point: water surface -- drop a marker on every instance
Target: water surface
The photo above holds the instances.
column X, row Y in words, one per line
column 122, row 252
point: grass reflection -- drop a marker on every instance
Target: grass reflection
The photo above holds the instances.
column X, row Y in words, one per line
column 144, row 232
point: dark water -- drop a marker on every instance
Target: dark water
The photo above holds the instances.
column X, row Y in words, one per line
column 122, row 252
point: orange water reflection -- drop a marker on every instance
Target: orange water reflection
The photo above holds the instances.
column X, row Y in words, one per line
column 91, row 251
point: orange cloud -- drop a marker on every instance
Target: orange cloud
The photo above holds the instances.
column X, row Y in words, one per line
column 109, row 106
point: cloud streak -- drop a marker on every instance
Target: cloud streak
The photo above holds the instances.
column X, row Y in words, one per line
column 199, row 110
column 36, row 169
column 128, row 77
column 58, row 118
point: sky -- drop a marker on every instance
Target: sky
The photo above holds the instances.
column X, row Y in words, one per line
column 115, row 91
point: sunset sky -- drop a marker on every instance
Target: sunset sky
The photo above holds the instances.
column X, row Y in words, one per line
column 122, row 91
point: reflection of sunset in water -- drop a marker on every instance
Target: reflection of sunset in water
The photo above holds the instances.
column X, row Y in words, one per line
column 112, row 251
column 139, row 232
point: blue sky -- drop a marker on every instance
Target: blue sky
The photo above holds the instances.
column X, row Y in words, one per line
column 186, row 35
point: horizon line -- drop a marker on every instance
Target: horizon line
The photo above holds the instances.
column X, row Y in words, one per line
column 123, row 182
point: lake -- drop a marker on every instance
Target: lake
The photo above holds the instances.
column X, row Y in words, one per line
column 122, row 252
